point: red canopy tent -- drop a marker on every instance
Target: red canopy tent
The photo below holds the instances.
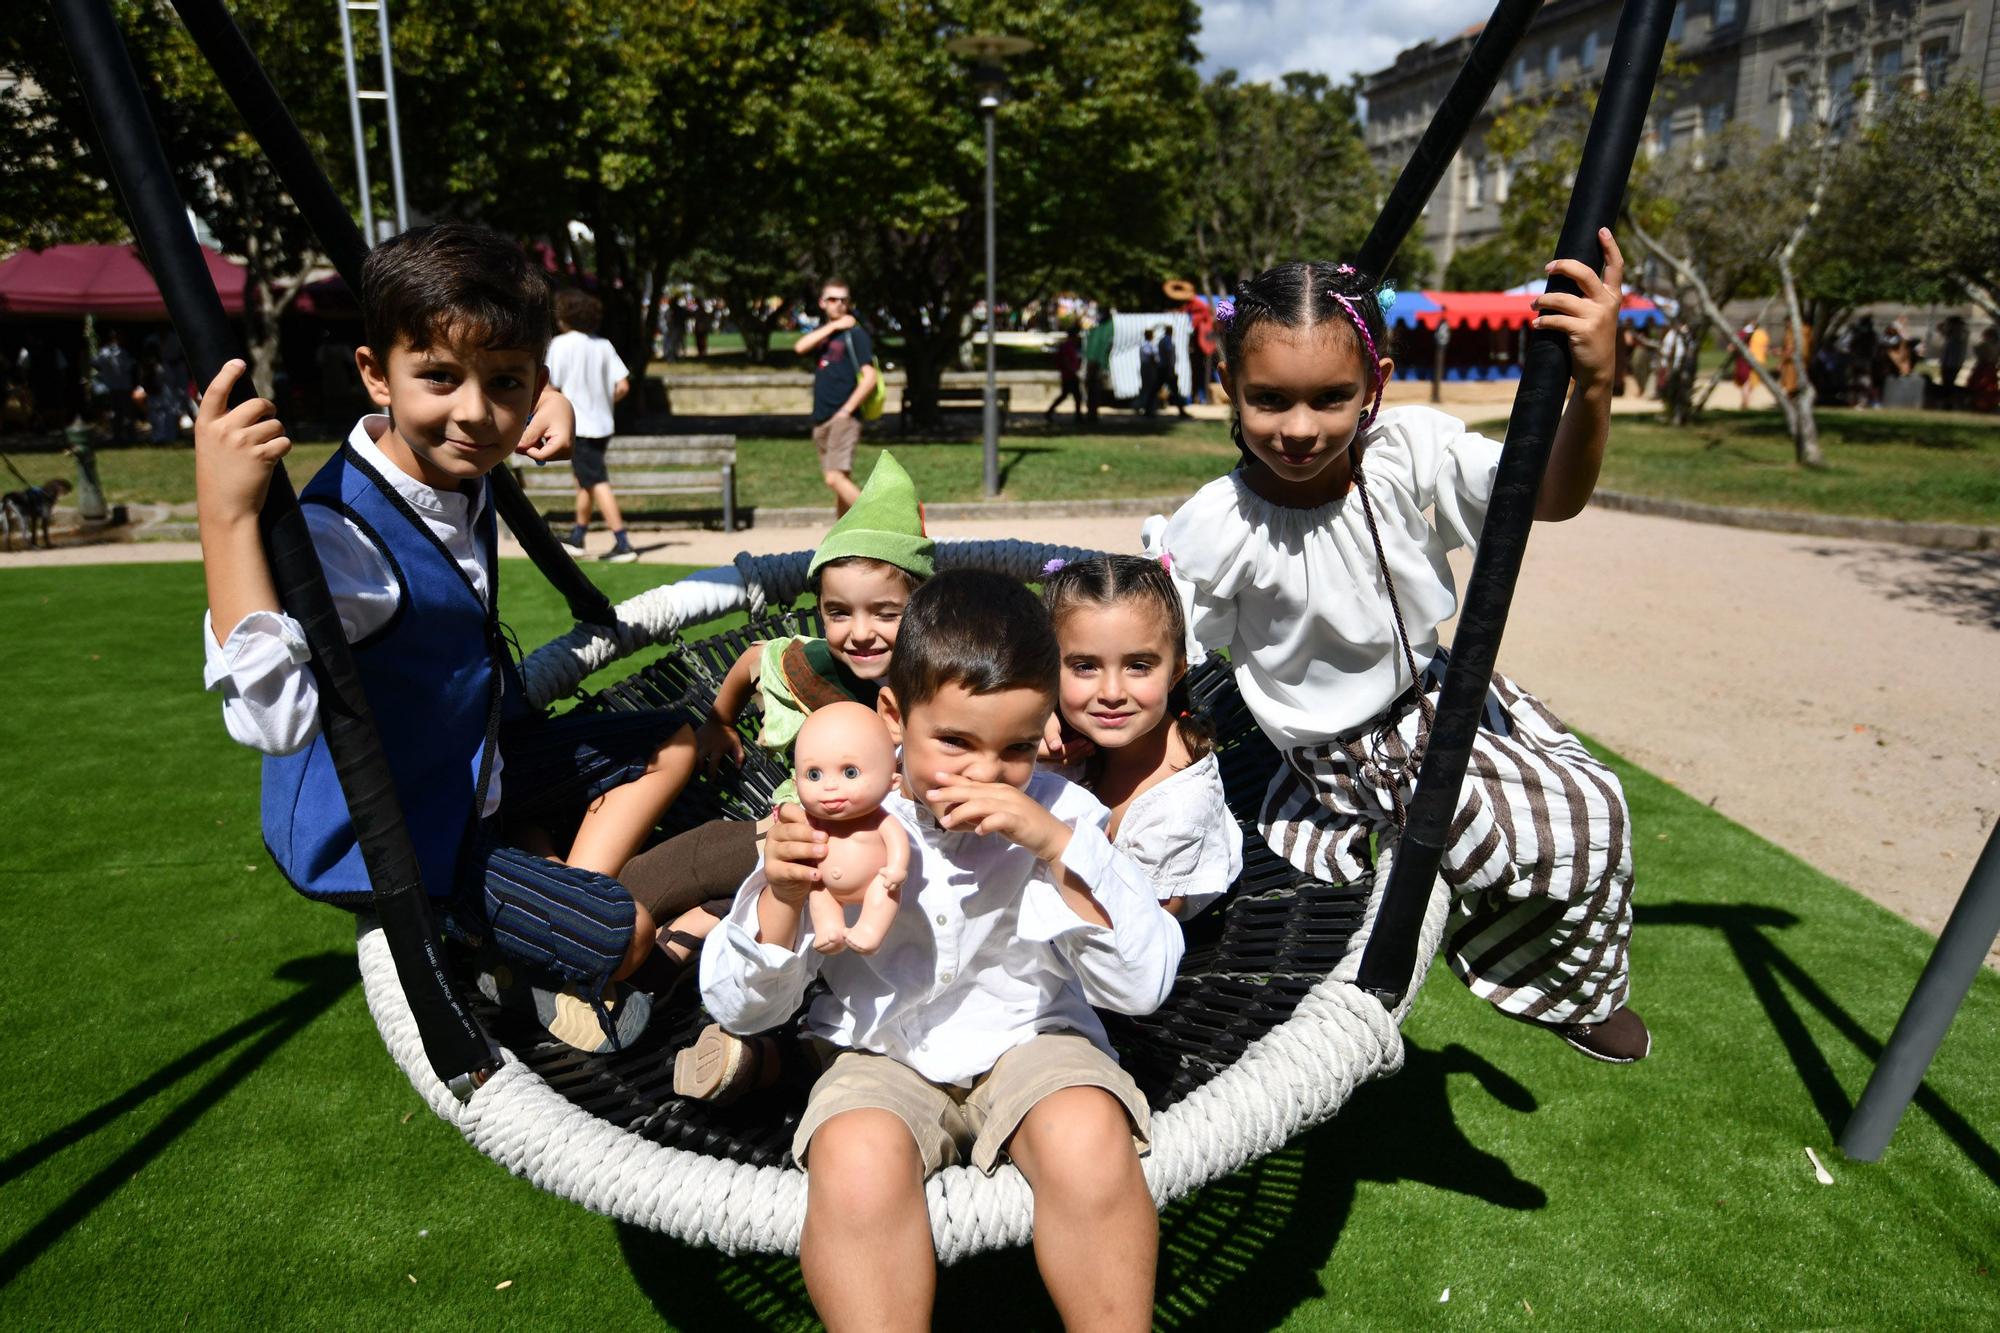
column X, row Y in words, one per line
column 1494, row 310
column 105, row 280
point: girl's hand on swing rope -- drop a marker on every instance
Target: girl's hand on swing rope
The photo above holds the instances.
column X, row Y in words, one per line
column 551, row 432
column 1591, row 319
column 235, row 450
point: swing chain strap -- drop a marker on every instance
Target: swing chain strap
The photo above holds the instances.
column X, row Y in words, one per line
column 1396, row 772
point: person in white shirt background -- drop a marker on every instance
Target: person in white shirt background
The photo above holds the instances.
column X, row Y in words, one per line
column 971, row 1030
column 593, row 377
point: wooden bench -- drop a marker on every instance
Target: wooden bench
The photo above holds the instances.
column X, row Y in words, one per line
column 653, row 465
column 968, row 396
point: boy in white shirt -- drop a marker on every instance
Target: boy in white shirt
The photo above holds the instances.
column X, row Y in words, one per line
column 593, row 377
column 971, row 1030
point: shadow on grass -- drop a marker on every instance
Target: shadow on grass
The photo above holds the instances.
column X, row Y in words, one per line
column 1242, row 1253
column 1964, row 585
column 1770, row 971
column 323, row 979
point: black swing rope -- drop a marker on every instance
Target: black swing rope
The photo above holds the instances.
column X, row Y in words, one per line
column 457, row 1047
column 1389, row 959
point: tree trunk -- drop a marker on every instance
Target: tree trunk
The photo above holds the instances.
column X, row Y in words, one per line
column 926, row 356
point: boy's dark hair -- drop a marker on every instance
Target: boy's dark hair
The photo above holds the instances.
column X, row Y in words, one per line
column 984, row 632
column 1299, row 295
column 454, row 279
column 1106, row 580
column 911, row 582
column 579, row 310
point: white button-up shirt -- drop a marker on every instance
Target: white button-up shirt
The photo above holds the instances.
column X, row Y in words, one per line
column 984, row 953
column 270, row 701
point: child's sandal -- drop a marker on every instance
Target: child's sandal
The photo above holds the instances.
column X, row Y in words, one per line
column 721, row 1067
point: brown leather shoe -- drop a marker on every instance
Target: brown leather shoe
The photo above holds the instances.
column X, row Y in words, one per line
column 1621, row 1039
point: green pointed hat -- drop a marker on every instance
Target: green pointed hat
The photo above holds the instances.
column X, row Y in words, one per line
column 885, row 524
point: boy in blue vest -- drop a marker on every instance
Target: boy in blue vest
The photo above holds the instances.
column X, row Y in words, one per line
column 457, row 323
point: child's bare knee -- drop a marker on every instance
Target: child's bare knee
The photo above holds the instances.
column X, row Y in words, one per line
column 864, row 1165
column 1077, row 1144
column 644, row 931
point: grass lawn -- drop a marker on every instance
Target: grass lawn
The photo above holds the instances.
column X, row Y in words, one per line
column 1926, row 467
column 199, row 1127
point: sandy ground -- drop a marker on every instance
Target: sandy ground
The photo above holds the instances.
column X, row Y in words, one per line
column 1836, row 696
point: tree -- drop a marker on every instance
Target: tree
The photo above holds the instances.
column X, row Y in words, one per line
column 1282, row 173
column 882, row 134
column 1491, row 265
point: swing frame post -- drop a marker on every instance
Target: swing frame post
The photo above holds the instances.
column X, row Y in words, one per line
column 456, row 1046
column 1449, row 125
column 1947, row 979
column 243, row 78
column 1389, row 959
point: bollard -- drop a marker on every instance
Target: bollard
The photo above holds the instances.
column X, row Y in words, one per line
column 90, row 504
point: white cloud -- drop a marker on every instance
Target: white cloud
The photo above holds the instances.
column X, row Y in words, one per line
column 1261, row 39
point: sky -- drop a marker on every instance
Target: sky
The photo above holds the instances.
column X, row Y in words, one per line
column 1261, row 39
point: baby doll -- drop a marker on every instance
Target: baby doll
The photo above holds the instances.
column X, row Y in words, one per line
column 844, row 763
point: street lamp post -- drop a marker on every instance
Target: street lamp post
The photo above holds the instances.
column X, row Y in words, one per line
column 986, row 51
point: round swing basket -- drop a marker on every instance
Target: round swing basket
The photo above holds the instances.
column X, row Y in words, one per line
column 1263, row 1036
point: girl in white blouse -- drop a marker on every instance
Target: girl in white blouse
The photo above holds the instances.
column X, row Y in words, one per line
column 1126, row 729
column 1319, row 565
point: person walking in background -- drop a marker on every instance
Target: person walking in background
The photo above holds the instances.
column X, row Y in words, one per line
column 1953, row 339
column 1983, row 384
column 844, row 375
column 593, row 377
column 114, row 375
column 1201, row 335
column 1170, row 370
column 1149, row 374
column 1069, row 364
column 1097, row 364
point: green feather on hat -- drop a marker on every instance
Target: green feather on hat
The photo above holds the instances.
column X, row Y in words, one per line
column 885, row 524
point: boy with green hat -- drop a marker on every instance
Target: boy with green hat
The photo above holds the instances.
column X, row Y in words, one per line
column 863, row 573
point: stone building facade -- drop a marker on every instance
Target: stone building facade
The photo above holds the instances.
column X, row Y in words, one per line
column 1773, row 64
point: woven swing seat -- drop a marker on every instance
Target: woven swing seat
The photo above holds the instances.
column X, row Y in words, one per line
column 1257, row 1041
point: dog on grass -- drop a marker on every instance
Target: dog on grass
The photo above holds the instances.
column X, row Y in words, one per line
column 30, row 509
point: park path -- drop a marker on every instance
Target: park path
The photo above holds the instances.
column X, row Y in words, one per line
column 1838, row 697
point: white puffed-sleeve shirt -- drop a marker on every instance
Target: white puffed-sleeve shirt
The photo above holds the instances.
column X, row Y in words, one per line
column 1296, row 596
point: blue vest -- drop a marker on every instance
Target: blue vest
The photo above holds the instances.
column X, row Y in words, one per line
column 435, row 677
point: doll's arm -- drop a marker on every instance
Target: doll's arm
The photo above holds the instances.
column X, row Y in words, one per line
column 884, row 893
column 895, row 852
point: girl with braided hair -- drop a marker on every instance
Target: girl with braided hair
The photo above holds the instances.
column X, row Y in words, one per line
column 1320, row 565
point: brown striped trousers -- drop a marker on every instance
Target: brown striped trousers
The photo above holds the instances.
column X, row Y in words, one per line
column 1540, row 858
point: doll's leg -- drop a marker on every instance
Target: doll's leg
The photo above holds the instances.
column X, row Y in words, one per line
column 878, row 912
column 829, row 920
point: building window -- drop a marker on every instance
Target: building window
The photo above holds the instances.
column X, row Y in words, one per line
column 1677, row 29
column 1714, row 118
column 1667, row 133
column 1500, row 182
column 1795, row 115
column 1474, row 184
column 1551, row 62
column 1840, row 95
column 1937, row 64
column 1888, row 74
column 1587, row 54
column 1519, row 79
column 1725, row 13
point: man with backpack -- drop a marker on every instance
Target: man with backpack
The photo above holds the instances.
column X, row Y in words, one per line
column 844, row 380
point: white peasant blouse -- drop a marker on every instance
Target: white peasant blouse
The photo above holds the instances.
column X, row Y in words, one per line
column 1296, row 596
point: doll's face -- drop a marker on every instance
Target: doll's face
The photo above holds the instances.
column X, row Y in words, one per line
column 843, row 762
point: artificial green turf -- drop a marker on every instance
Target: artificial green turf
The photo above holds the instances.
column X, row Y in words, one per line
column 199, row 1127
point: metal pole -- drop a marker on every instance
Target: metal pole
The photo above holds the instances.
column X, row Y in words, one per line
column 395, row 131
column 1960, row 953
column 1388, row 964
column 354, row 125
column 992, row 391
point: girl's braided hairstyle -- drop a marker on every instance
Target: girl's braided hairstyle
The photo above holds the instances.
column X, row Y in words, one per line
column 1305, row 294
column 1106, row 580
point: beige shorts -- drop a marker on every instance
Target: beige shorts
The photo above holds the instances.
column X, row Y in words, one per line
column 835, row 439
column 951, row 1123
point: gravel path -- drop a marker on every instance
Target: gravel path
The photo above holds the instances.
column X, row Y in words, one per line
column 1836, row 696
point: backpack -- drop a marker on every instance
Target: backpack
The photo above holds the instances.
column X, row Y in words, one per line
column 878, row 397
